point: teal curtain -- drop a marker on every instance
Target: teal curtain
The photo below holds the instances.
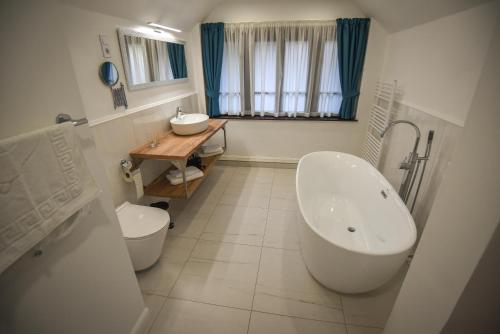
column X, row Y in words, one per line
column 212, row 47
column 177, row 58
column 352, row 37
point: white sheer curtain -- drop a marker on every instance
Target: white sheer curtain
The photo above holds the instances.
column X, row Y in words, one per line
column 330, row 93
column 295, row 73
column 231, row 98
column 286, row 68
column 264, row 78
column 138, row 58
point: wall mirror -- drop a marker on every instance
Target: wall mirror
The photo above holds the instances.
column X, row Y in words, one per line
column 151, row 60
column 108, row 73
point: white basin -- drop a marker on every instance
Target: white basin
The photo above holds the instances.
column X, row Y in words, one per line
column 189, row 124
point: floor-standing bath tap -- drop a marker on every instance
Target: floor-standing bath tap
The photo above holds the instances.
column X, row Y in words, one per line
column 410, row 163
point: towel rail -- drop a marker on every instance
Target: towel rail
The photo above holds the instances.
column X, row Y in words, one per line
column 62, row 118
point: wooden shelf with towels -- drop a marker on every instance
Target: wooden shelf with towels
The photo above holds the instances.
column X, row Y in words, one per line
column 177, row 149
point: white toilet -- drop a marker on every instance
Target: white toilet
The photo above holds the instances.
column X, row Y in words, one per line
column 144, row 229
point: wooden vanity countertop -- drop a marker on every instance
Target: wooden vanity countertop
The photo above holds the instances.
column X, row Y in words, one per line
column 175, row 147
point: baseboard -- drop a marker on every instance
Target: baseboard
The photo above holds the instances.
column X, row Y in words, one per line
column 142, row 323
column 280, row 160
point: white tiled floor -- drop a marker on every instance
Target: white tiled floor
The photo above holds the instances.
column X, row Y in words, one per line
column 232, row 264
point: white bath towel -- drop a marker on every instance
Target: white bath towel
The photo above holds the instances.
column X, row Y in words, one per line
column 189, row 171
column 220, row 150
column 43, row 181
column 207, row 149
column 178, row 180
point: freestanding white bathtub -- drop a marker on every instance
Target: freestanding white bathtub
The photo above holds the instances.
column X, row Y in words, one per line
column 355, row 232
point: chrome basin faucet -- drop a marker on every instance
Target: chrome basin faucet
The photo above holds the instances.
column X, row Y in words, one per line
column 178, row 112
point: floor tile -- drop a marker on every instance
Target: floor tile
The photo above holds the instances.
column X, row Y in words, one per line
column 284, row 179
column 283, row 194
column 197, row 206
column 246, row 198
column 260, row 189
column 177, row 249
column 263, row 323
column 226, row 252
column 220, row 174
column 373, row 308
column 277, row 203
column 160, row 278
column 250, row 179
column 285, row 171
column 189, row 225
column 238, row 184
column 154, row 303
column 284, row 286
column 284, row 191
column 281, row 230
column 254, row 171
column 220, row 283
column 185, row 317
column 243, row 239
column 207, row 194
column 237, row 221
column 363, row 330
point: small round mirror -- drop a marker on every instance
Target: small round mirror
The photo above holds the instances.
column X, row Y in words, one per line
column 108, row 73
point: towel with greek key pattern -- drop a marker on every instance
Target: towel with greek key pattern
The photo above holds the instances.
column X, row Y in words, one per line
column 43, row 181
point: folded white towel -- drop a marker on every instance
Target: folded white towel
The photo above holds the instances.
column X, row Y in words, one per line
column 216, row 152
column 44, row 181
column 178, row 180
column 189, row 171
column 210, row 148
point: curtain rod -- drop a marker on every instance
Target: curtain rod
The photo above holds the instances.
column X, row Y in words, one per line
column 283, row 23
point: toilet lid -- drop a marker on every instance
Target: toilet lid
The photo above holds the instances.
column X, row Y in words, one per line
column 138, row 221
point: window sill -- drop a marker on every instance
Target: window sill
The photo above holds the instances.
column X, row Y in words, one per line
column 285, row 118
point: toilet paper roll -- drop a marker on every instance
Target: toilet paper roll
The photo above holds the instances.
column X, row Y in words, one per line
column 137, row 177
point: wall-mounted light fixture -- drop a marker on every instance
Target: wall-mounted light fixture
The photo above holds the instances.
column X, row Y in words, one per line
column 152, row 24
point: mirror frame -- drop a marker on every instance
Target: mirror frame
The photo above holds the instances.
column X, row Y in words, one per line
column 126, row 65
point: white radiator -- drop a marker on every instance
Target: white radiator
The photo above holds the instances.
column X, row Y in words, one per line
column 381, row 113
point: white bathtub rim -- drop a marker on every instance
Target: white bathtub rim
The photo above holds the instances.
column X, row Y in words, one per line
column 413, row 229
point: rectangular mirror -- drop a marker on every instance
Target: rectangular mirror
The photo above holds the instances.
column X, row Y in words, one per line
column 151, row 60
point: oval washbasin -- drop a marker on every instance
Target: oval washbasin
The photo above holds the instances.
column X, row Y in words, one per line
column 189, row 124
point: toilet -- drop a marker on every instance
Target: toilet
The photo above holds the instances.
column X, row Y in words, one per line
column 144, row 229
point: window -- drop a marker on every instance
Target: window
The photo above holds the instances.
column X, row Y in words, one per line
column 280, row 70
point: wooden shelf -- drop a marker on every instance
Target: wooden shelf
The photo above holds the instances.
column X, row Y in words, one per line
column 161, row 187
column 175, row 147
column 178, row 149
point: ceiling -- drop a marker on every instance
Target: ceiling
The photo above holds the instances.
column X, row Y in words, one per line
column 394, row 15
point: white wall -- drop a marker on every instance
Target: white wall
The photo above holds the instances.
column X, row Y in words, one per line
column 438, row 72
column 116, row 138
column 82, row 29
column 438, row 63
column 287, row 141
column 467, row 317
column 279, row 10
column 149, row 109
column 463, row 218
column 85, row 282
